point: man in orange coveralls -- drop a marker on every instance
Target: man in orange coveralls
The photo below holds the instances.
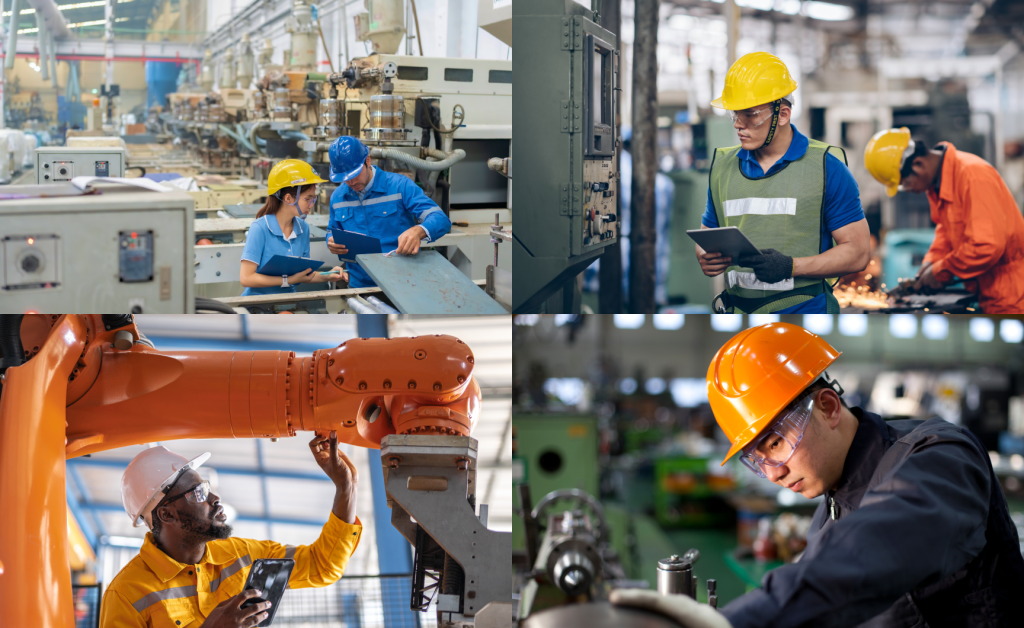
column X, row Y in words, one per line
column 979, row 231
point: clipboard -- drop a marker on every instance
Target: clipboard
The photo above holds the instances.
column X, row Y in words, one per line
column 356, row 243
column 729, row 241
column 285, row 266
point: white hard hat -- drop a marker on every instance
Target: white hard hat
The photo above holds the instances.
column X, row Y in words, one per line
column 147, row 478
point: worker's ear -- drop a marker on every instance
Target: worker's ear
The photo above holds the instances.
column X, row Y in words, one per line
column 165, row 514
column 784, row 114
column 831, row 407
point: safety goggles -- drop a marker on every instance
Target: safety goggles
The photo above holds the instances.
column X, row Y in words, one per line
column 751, row 118
column 195, row 495
column 907, row 161
column 776, row 445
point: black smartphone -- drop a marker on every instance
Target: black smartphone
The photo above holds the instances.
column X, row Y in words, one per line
column 269, row 576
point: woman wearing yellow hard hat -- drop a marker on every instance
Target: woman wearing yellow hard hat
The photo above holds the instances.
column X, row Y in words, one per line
column 280, row 229
column 979, row 231
column 792, row 196
column 913, row 523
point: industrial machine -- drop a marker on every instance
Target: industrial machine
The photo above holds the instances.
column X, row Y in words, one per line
column 74, row 385
column 117, row 249
column 55, row 164
column 570, row 141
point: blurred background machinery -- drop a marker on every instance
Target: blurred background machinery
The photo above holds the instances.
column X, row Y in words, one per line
column 611, row 416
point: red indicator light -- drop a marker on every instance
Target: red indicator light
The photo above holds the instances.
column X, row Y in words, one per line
column 134, row 234
column 31, row 240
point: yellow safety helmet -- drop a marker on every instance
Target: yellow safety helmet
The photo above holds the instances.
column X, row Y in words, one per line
column 884, row 157
column 755, row 79
column 291, row 172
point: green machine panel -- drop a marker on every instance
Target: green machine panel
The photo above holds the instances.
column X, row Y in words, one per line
column 564, row 144
column 552, row 452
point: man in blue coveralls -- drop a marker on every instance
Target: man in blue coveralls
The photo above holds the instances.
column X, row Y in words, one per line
column 379, row 204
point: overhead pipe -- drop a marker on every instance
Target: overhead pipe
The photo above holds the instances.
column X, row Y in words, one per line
column 50, row 39
column 55, row 21
column 43, row 47
column 12, row 45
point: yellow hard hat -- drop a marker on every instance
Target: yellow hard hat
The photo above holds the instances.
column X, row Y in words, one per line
column 291, row 172
column 755, row 79
column 884, row 156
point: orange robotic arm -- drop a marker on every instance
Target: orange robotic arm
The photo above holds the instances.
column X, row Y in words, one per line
column 364, row 389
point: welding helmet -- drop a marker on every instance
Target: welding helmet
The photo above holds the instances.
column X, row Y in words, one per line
column 348, row 155
column 755, row 79
column 149, row 477
column 758, row 373
column 289, row 173
column 885, row 155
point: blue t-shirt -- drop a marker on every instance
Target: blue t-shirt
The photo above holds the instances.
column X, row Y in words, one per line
column 842, row 201
column 265, row 240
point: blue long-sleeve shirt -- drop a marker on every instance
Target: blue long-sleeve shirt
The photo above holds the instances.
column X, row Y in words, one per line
column 391, row 205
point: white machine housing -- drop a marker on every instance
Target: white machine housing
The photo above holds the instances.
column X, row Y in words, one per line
column 123, row 250
column 55, row 164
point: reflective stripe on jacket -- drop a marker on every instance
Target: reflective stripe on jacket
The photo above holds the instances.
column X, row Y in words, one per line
column 154, row 590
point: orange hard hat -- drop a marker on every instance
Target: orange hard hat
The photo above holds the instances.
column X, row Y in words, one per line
column 758, row 373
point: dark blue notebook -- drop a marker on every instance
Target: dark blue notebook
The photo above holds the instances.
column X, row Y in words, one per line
column 356, row 243
column 283, row 265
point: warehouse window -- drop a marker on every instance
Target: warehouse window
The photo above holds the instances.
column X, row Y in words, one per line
column 982, row 329
column 412, row 73
column 655, row 386
column 1011, row 330
column 500, row 76
column 762, row 319
column 935, row 327
column 853, row 324
column 629, row 321
column 903, row 325
column 459, row 75
column 568, row 390
column 669, row 321
column 689, row 392
column 627, row 386
column 726, row 322
column 820, row 324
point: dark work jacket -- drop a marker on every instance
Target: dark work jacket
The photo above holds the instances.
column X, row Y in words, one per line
column 921, row 538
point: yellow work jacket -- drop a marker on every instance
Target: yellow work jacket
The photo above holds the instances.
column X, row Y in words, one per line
column 154, row 590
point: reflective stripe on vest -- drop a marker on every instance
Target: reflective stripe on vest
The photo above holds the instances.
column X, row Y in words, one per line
column 229, row 571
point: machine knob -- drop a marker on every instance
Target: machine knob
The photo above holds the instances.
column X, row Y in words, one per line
column 63, row 171
column 609, row 218
column 598, row 187
column 30, row 263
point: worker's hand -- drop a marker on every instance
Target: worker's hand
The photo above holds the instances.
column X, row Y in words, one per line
column 770, row 266
column 681, row 608
column 337, row 249
column 303, row 276
column 337, row 274
column 342, row 472
column 713, row 264
column 409, row 241
column 230, row 614
column 927, row 281
column 920, row 271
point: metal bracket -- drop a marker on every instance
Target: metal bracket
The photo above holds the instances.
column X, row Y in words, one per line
column 566, row 34
column 577, row 34
column 566, row 109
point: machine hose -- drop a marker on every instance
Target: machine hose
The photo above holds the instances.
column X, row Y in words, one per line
column 10, row 341
column 359, row 307
column 213, row 305
column 238, row 138
column 252, row 138
column 382, row 306
column 447, row 160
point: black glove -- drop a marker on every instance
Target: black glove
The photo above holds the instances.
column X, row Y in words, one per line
column 770, row 266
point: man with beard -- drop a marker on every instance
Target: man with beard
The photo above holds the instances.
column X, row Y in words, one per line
column 190, row 572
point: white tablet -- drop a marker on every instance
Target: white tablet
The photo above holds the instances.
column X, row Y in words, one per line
column 729, row 241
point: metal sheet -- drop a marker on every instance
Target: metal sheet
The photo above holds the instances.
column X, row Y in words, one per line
column 597, row 615
column 427, row 283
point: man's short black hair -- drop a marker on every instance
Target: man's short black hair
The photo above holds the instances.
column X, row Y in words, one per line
column 822, row 383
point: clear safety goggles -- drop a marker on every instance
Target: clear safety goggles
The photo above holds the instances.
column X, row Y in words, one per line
column 751, row 118
column 776, row 445
column 195, row 495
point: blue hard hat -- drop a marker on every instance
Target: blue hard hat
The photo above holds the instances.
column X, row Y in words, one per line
column 348, row 155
